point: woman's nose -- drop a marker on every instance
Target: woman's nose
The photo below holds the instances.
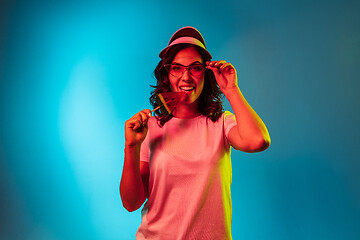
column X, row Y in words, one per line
column 186, row 74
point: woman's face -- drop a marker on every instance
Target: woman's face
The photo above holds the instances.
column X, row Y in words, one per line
column 192, row 85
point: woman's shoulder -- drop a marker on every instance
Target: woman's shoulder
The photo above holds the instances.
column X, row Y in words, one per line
column 224, row 116
column 227, row 113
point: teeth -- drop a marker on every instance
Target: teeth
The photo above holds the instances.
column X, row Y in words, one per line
column 187, row 88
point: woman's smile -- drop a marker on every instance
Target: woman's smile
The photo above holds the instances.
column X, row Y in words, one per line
column 187, row 89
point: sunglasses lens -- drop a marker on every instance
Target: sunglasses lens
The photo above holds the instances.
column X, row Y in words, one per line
column 196, row 70
column 178, row 70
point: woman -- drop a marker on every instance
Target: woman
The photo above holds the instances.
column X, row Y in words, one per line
column 181, row 163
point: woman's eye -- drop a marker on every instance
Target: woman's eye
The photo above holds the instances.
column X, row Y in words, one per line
column 175, row 68
column 197, row 68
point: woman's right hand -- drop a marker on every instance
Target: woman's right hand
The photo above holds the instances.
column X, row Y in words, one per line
column 136, row 128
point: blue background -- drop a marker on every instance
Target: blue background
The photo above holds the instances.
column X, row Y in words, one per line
column 72, row 72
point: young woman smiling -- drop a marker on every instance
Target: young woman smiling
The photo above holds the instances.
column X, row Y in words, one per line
column 180, row 164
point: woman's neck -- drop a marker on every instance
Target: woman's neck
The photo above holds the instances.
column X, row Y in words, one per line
column 186, row 110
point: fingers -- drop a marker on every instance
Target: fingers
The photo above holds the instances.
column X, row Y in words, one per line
column 216, row 64
column 219, row 66
column 139, row 120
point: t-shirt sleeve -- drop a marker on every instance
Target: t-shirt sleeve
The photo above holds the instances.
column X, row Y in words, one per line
column 229, row 122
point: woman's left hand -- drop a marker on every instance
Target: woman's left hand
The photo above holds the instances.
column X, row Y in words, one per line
column 225, row 75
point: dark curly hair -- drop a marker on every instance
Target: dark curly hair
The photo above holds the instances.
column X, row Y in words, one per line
column 210, row 100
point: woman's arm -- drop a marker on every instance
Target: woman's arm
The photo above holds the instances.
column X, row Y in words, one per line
column 250, row 134
column 134, row 179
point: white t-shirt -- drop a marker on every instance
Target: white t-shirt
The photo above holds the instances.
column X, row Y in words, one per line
column 190, row 177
